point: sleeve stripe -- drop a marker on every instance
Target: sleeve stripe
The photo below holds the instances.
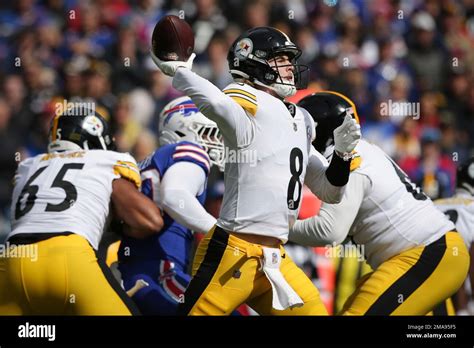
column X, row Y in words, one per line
column 241, row 91
column 129, row 165
column 194, row 156
column 246, row 105
column 236, row 95
column 191, row 148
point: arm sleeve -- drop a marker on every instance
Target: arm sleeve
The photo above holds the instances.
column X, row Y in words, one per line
column 317, row 179
column 334, row 221
column 231, row 118
column 179, row 187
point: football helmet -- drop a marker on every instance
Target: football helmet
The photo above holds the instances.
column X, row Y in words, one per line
column 328, row 109
column 251, row 52
column 180, row 120
column 465, row 176
column 79, row 129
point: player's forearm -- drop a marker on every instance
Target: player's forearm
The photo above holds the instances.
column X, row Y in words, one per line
column 338, row 171
column 321, row 230
column 183, row 207
column 330, row 191
column 135, row 209
column 334, row 221
column 310, row 232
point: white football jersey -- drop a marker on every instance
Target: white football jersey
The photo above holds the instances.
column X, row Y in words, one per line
column 68, row 192
column 460, row 210
column 264, row 188
column 395, row 215
column 268, row 155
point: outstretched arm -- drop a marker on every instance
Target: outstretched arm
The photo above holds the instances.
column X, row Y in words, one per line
column 138, row 211
column 334, row 221
column 232, row 120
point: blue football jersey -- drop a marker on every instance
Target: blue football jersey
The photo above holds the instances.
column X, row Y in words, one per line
column 174, row 241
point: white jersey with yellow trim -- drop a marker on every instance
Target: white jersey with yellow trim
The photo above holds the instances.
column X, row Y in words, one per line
column 460, row 210
column 68, row 192
column 381, row 209
column 394, row 215
column 257, row 198
column 269, row 155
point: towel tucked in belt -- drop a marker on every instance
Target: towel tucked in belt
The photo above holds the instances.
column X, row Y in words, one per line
column 283, row 294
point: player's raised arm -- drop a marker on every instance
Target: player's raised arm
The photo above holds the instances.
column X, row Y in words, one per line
column 328, row 181
column 135, row 209
column 231, row 118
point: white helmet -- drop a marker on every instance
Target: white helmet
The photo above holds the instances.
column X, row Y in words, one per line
column 180, row 120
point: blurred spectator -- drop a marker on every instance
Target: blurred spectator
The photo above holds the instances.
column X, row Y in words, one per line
column 15, row 92
column 91, row 38
column 98, row 85
column 127, row 129
column 144, row 146
column 433, row 172
column 425, row 55
column 10, row 143
column 388, row 68
column 217, row 71
column 407, row 144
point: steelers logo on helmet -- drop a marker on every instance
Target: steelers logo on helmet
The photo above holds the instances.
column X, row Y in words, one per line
column 252, row 57
column 93, row 125
column 243, row 48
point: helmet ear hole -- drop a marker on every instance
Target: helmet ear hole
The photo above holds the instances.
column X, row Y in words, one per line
column 181, row 134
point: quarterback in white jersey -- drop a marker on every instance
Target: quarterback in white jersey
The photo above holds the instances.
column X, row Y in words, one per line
column 418, row 258
column 60, row 206
column 262, row 197
column 460, row 210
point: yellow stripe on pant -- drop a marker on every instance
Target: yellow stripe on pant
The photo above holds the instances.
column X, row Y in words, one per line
column 226, row 274
column 63, row 278
column 413, row 282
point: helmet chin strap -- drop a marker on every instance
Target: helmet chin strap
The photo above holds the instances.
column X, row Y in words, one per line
column 281, row 90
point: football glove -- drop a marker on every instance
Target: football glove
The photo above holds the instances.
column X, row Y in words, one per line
column 169, row 67
column 346, row 137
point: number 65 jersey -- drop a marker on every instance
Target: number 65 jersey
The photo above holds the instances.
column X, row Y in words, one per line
column 68, row 192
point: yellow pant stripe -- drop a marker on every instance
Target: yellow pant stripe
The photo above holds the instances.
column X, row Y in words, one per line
column 226, row 274
column 413, row 282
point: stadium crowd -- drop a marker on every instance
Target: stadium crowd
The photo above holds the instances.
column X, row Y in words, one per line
column 379, row 52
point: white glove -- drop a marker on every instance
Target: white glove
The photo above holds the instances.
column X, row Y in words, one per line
column 346, row 136
column 169, row 67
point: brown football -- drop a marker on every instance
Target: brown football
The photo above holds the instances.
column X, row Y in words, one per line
column 172, row 39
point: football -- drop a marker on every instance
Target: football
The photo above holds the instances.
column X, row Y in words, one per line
column 172, row 39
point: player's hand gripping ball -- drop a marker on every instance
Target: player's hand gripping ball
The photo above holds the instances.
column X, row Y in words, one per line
column 172, row 45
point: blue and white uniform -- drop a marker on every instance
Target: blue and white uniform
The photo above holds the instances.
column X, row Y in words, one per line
column 175, row 177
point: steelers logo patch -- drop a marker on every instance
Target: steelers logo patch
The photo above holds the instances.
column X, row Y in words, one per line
column 243, row 48
column 93, row 125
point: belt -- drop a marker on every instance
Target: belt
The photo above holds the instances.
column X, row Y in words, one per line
column 29, row 238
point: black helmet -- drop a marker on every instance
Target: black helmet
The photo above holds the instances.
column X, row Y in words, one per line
column 328, row 110
column 78, row 128
column 465, row 176
column 249, row 55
